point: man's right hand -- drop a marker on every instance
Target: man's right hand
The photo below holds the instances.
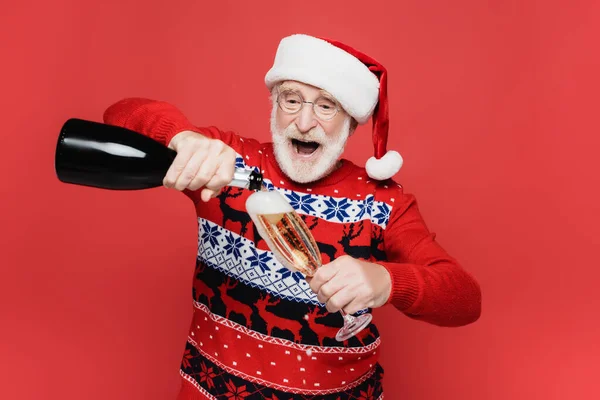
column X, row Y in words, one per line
column 200, row 162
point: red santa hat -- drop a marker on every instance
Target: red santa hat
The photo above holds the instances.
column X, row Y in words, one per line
column 356, row 80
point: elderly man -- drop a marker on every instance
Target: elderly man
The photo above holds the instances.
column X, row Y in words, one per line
column 259, row 330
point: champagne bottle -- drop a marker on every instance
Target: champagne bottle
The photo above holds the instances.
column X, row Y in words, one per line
column 111, row 157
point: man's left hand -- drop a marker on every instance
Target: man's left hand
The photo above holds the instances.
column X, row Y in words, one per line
column 351, row 285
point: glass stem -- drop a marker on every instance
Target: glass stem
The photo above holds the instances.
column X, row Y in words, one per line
column 348, row 319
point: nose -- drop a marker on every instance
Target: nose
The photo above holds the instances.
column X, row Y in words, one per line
column 306, row 120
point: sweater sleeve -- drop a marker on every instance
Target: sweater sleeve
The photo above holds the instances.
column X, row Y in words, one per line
column 427, row 283
column 157, row 119
column 161, row 121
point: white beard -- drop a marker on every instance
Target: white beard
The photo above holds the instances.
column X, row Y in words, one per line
column 331, row 147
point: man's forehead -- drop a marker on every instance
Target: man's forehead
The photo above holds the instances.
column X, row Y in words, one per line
column 295, row 85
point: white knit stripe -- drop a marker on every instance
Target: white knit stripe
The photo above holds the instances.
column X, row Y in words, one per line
column 238, row 257
column 196, row 385
column 329, row 208
column 277, row 386
column 283, row 342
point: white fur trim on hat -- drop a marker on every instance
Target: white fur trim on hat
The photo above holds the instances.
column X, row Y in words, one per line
column 318, row 63
column 386, row 167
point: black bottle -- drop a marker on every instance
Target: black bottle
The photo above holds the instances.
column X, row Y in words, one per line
column 110, row 157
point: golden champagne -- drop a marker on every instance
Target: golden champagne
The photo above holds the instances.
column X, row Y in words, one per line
column 288, row 235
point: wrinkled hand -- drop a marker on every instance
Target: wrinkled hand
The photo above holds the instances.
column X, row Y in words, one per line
column 351, row 285
column 200, row 162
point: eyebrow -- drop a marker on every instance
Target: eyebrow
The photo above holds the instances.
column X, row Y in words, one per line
column 325, row 93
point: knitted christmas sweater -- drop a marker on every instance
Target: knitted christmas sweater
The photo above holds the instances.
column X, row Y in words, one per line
column 258, row 331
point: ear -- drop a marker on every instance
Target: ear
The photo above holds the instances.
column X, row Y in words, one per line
column 353, row 126
column 273, row 94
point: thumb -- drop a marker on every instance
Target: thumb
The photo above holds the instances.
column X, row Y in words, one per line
column 207, row 194
column 323, row 275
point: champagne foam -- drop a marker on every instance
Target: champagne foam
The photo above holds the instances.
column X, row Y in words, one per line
column 272, row 202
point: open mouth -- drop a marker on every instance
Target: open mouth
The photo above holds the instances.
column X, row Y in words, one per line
column 305, row 148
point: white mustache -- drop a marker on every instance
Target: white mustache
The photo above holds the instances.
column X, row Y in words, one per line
column 311, row 136
column 316, row 135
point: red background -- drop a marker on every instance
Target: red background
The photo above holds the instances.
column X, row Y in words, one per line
column 493, row 105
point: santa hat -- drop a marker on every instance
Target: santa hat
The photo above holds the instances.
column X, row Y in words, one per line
column 356, row 80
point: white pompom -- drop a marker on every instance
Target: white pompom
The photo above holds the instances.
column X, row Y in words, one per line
column 385, row 167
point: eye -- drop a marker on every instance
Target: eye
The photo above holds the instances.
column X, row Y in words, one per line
column 326, row 106
column 290, row 99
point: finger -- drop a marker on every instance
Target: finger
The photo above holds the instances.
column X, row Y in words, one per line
column 328, row 289
column 340, row 300
column 177, row 167
column 206, row 171
column 191, row 169
column 323, row 275
column 224, row 172
column 356, row 305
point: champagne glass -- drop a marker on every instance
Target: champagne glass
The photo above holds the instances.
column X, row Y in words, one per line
column 293, row 245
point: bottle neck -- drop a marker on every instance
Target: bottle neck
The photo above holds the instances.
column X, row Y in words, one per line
column 246, row 179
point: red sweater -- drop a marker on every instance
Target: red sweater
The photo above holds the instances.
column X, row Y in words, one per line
column 258, row 331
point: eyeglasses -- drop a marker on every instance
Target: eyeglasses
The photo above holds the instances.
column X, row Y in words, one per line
column 292, row 102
